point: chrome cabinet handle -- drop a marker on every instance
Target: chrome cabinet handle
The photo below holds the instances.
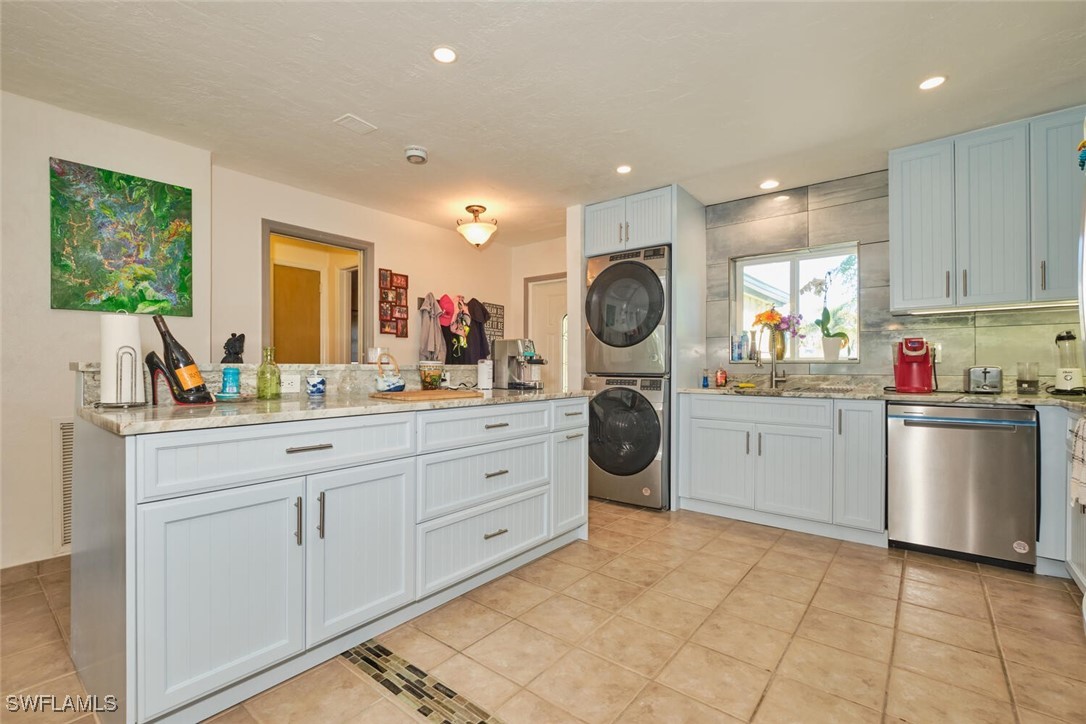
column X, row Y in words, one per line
column 948, row 284
column 620, row 232
column 748, row 442
column 320, row 521
column 1044, row 279
column 840, row 422
column 298, row 521
column 574, row 436
column 495, row 534
column 574, row 414
column 494, row 425
column 496, row 473
column 759, row 444
column 965, row 282
column 309, row 448
column 627, row 232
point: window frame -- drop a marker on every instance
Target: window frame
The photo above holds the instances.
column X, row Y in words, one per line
column 793, row 257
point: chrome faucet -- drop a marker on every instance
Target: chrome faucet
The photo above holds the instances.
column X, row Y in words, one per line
column 774, row 379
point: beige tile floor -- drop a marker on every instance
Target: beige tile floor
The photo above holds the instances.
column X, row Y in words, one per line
column 680, row 617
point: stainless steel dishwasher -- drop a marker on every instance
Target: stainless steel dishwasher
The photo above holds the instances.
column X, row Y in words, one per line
column 963, row 480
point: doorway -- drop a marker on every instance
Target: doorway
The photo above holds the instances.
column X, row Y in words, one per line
column 545, row 321
column 316, row 289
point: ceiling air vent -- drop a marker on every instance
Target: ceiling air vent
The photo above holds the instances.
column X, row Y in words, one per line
column 356, row 124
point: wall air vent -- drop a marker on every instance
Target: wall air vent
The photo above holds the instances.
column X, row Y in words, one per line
column 356, row 124
column 63, row 439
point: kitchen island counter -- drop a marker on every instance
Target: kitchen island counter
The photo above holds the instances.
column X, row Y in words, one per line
column 170, row 418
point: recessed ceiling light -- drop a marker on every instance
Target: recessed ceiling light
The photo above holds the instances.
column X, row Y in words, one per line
column 623, row 169
column 444, row 55
column 933, row 82
column 782, row 197
column 769, row 184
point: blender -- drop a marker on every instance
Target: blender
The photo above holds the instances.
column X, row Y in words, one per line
column 1068, row 363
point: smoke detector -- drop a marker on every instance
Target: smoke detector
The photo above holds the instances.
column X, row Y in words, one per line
column 416, row 155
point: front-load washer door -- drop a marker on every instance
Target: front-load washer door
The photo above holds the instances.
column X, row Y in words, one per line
column 626, row 309
column 624, row 431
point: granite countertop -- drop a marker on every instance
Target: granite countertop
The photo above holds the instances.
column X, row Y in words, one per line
column 845, row 390
column 170, row 418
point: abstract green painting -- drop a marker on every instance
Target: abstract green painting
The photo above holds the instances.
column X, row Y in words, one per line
column 119, row 242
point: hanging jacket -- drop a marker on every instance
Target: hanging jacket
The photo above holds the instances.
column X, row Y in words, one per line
column 431, row 342
column 478, row 347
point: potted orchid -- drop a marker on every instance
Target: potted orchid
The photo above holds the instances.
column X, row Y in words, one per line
column 779, row 325
column 832, row 342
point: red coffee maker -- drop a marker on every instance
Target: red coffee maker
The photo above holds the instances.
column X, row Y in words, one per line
column 914, row 366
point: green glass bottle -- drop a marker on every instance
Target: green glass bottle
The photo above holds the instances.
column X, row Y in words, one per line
column 267, row 377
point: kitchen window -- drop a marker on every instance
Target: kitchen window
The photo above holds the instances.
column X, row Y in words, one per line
column 802, row 282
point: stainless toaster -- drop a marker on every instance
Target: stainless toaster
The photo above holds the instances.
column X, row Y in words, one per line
column 983, row 380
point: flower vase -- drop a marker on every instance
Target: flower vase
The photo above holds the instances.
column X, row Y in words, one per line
column 831, row 348
column 776, row 341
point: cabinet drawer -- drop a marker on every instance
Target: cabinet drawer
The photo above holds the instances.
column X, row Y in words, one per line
column 460, row 545
column 571, row 413
column 795, row 411
column 446, row 429
column 457, row 479
column 178, row 463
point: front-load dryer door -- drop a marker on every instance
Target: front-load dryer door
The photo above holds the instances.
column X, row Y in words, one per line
column 625, row 448
column 626, row 309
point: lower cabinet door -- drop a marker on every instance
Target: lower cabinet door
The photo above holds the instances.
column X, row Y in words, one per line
column 360, row 552
column 569, row 480
column 795, row 470
column 220, row 589
column 721, row 458
column 859, row 464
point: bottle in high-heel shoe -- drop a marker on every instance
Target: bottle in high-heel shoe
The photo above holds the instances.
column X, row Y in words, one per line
column 179, row 368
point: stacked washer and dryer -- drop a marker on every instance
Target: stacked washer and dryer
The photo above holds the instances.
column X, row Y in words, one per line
column 627, row 358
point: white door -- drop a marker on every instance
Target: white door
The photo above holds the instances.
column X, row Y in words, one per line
column 795, row 469
column 605, row 227
column 720, row 462
column 221, row 589
column 569, row 481
column 546, row 309
column 649, row 218
column 360, row 552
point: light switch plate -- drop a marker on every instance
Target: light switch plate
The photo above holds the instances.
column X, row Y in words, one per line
column 290, row 383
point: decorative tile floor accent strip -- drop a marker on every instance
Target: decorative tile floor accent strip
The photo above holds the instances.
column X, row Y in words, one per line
column 414, row 687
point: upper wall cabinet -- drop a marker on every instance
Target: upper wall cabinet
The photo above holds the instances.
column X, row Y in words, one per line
column 988, row 217
column 632, row 222
column 1057, row 188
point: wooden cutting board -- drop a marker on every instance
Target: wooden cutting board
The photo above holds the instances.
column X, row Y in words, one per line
column 426, row 395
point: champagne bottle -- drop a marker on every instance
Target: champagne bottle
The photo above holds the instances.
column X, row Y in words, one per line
column 177, row 365
column 267, row 377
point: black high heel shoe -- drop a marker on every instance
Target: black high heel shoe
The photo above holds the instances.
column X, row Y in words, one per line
column 198, row 395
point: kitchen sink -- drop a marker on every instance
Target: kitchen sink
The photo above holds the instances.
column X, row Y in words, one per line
column 828, row 389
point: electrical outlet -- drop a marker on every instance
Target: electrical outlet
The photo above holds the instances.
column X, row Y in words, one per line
column 290, row 383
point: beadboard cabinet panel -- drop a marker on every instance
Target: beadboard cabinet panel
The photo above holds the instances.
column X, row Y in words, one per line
column 721, row 461
column 360, row 553
column 859, row 464
column 222, row 588
column 448, row 429
column 794, row 472
column 650, row 218
column 571, row 413
column 605, row 227
column 793, row 411
column 569, row 480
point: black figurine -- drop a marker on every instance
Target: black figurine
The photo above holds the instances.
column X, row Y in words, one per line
column 234, row 347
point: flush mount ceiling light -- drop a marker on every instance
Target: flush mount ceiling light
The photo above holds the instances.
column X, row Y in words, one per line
column 623, row 169
column 444, row 55
column 782, row 197
column 769, row 184
column 476, row 232
column 933, row 82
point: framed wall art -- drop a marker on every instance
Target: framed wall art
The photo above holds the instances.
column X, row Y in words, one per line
column 392, row 297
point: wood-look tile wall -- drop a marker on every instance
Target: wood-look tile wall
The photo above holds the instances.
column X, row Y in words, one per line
column 857, row 209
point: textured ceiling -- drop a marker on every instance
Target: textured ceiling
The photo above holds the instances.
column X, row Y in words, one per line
column 546, row 98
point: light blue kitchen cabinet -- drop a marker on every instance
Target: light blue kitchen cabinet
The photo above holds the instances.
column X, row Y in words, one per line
column 360, row 547
column 991, row 215
column 721, row 457
column 794, row 472
column 922, row 270
column 632, row 222
column 859, row 464
column 222, row 589
column 569, row 481
column 1057, row 187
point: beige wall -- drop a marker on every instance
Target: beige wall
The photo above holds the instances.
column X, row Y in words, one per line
column 530, row 260
column 39, row 342
column 435, row 259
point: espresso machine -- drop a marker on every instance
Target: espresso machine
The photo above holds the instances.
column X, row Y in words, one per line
column 517, row 366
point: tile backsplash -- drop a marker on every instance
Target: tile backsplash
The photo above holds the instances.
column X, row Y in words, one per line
column 857, row 209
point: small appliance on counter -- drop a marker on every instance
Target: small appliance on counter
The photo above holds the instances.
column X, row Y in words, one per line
column 517, row 366
column 983, row 380
column 1068, row 364
column 914, row 366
